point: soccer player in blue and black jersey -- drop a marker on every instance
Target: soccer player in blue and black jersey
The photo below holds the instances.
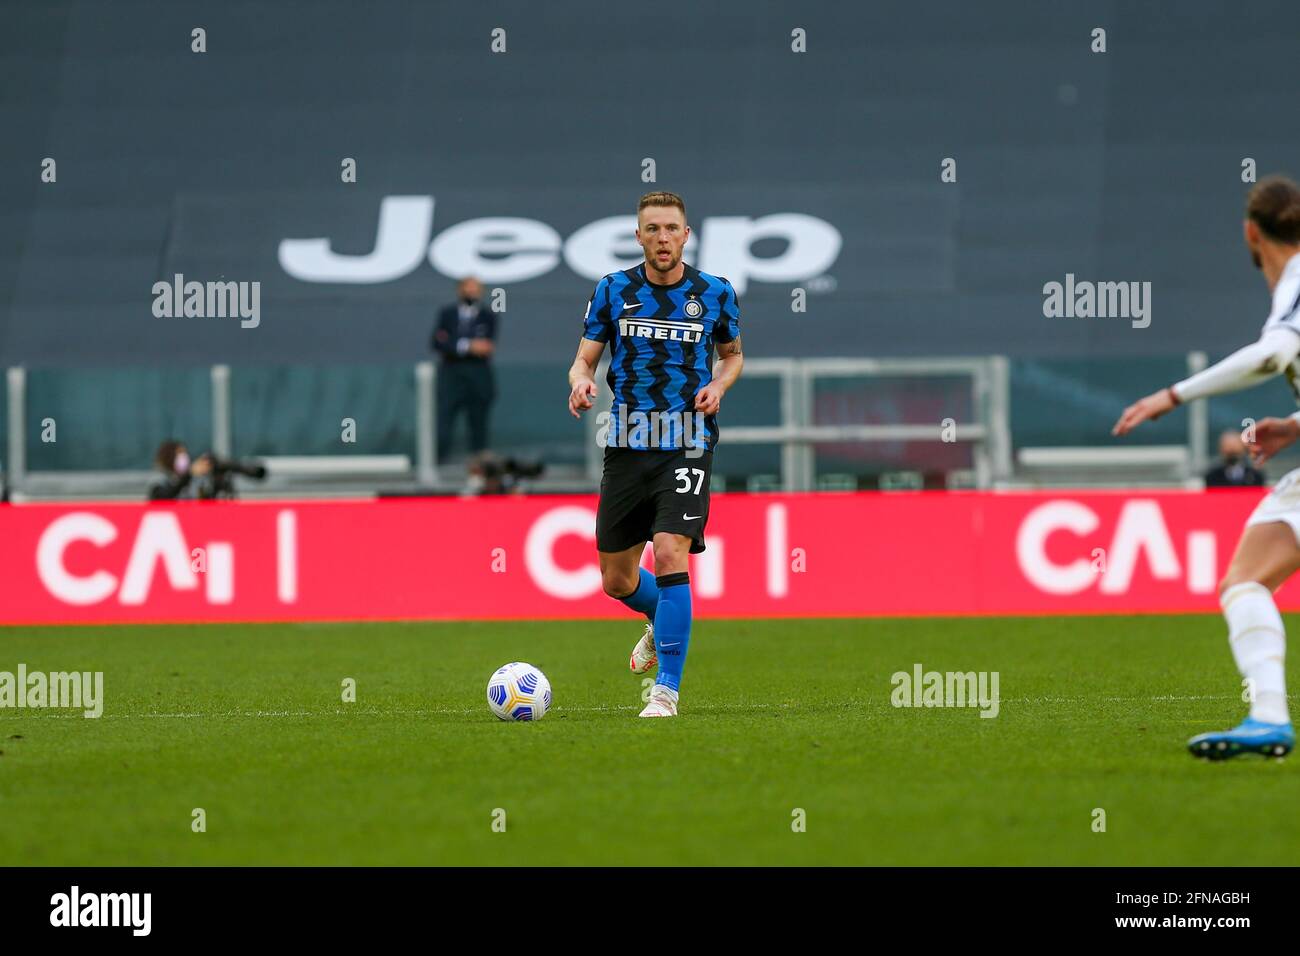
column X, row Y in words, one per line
column 663, row 321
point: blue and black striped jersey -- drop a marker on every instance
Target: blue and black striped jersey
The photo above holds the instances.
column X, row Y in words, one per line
column 661, row 353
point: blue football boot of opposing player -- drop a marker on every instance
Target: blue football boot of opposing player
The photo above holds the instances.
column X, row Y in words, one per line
column 1251, row 736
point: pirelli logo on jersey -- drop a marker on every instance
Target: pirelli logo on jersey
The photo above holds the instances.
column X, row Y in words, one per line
column 669, row 329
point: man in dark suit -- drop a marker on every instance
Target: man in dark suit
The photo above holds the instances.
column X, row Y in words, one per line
column 465, row 337
column 1234, row 469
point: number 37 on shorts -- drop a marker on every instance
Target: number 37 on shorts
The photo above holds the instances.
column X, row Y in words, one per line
column 689, row 481
column 645, row 492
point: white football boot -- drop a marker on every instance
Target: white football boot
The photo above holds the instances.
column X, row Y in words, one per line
column 643, row 655
column 663, row 703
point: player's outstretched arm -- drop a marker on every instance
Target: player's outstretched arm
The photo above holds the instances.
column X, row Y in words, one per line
column 1255, row 363
column 1272, row 435
column 725, row 372
column 582, row 376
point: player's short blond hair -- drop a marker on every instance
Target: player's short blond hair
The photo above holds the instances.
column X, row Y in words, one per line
column 1274, row 206
column 661, row 199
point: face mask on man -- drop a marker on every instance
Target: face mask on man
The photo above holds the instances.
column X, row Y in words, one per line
column 182, row 463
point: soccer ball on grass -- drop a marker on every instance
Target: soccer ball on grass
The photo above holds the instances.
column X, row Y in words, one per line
column 519, row 691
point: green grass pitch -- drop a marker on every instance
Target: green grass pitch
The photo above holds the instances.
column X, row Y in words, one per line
column 247, row 722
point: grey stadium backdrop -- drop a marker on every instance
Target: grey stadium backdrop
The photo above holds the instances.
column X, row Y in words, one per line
column 818, row 172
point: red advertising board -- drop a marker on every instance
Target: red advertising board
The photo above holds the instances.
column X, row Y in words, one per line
column 866, row 554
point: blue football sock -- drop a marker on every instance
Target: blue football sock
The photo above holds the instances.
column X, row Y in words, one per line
column 673, row 627
column 645, row 598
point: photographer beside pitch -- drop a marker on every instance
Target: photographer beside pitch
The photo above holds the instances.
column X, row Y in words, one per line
column 663, row 320
column 1269, row 550
column 207, row 477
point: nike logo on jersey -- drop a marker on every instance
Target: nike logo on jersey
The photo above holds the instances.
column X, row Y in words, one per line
column 691, row 517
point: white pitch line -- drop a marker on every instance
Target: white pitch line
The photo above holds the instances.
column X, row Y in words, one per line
column 602, row 708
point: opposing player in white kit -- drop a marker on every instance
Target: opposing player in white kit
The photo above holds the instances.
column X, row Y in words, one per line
column 1269, row 550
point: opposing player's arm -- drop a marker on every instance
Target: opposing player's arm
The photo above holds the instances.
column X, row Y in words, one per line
column 1271, row 435
column 582, row 376
column 1276, row 349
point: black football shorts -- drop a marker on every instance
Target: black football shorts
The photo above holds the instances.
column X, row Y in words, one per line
column 644, row 492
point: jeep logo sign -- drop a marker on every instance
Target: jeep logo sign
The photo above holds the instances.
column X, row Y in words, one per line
column 502, row 250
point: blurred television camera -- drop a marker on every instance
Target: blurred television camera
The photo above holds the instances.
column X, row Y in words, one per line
column 490, row 474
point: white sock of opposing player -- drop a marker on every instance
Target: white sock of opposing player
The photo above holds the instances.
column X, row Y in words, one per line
column 1258, row 643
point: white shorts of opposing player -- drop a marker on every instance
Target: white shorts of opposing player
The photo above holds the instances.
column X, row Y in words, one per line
column 1281, row 504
